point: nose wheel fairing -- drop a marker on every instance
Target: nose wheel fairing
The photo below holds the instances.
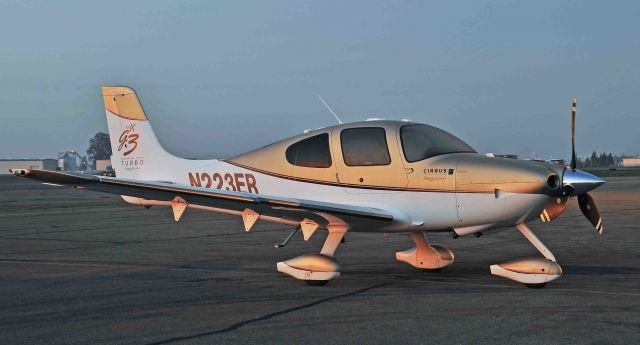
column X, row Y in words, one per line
column 532, row 272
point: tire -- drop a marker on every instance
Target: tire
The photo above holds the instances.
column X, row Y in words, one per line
column 535, row 286
column 435, row 270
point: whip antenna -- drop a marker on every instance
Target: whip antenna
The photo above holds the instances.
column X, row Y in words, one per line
column 330, row 110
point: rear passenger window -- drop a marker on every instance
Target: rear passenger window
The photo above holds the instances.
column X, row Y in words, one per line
column 365, row 146
column 312, row 152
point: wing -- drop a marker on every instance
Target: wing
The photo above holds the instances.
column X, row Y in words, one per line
column 264, row 207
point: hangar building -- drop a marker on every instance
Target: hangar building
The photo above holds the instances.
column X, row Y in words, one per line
column 103, row 164
column 631, row 162
column 47, row 164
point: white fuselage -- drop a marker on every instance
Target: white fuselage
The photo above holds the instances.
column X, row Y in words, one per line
column 428, row 211
column 138, row 155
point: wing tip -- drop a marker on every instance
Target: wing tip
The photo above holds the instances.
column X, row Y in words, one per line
column 20, row 172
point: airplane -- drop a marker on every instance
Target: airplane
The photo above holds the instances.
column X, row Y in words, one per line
column 378, row 176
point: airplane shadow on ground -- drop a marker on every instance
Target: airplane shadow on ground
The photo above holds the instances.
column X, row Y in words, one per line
column 243, row 323
column 600, row 270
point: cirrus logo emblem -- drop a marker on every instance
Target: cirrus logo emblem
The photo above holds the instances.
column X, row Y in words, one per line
column 128, row 140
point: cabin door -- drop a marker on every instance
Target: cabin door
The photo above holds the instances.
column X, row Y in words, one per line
column 368, row 159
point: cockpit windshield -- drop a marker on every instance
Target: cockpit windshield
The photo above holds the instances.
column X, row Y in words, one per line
column 423, row 141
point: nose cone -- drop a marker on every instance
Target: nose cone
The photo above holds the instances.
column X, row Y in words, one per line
column 578, row 182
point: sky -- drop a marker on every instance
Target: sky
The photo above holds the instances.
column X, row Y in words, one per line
column 218, row 78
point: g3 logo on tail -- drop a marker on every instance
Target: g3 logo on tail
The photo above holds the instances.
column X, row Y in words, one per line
column 128, row 140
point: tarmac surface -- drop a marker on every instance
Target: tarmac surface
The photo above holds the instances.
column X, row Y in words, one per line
column 80, row 267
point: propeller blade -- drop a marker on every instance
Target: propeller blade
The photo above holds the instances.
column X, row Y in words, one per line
column 573, row 135
column 553, row 209
column 589, row 209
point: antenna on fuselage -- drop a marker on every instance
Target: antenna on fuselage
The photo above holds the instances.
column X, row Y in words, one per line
column 330, row 110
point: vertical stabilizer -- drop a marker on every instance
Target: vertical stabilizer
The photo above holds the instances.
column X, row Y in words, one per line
column 136, row 150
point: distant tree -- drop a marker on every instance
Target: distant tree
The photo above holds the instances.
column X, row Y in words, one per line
column 99, row 147
column 593, row 160
column 617, row 160
column 602, row 160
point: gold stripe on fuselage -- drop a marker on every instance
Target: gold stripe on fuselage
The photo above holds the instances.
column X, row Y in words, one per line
column 344, row 185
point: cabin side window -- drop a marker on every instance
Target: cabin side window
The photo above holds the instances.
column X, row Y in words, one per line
column 311, row 152
column 365, row 146
column 423, row 141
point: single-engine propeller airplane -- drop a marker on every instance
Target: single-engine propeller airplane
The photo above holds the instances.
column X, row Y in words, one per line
column 370, row 176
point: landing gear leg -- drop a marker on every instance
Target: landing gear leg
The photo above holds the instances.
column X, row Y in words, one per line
column 532, row 272
column 317, row 269
column 336, row 234
column 425, row 256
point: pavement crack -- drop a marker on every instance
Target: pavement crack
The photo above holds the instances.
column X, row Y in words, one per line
column 241, row 324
